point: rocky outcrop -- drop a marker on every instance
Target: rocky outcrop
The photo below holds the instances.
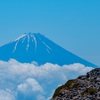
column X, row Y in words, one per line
column 86, row 87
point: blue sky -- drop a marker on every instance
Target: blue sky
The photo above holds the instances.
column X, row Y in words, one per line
column 73, row 24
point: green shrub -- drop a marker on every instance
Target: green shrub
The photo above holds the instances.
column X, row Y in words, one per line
column 58, row 91
column 90, row 91
column 69, row 83
column 75, row 85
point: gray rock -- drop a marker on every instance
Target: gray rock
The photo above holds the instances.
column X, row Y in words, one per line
column 85, row 87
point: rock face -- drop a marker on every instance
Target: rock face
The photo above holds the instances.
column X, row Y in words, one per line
column 85, row 87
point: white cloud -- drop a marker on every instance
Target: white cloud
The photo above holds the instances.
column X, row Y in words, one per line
column 29, row 81
column 40, row 97
column 31, row 85
column 6, row 95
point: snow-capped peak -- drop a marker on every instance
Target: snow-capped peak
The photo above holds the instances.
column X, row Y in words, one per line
column 28, row 39
column 26, row 35
column 20, row 37
column 35, row 47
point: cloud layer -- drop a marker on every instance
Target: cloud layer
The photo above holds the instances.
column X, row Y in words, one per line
column 32, row 82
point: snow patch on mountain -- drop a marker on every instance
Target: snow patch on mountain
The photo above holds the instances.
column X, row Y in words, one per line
column 48, row 48
column 28, row 42
column 34, row 39
column 15, row 46
column 20, row 37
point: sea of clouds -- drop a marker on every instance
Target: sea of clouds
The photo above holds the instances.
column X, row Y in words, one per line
column 23, row 81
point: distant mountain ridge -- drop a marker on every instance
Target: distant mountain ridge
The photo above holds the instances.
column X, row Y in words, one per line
column 34, row 47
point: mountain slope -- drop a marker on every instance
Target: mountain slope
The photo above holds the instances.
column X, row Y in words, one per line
column 36, row 47
column 86, row 87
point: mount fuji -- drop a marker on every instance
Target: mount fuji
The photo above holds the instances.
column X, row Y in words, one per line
column 34, row 47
